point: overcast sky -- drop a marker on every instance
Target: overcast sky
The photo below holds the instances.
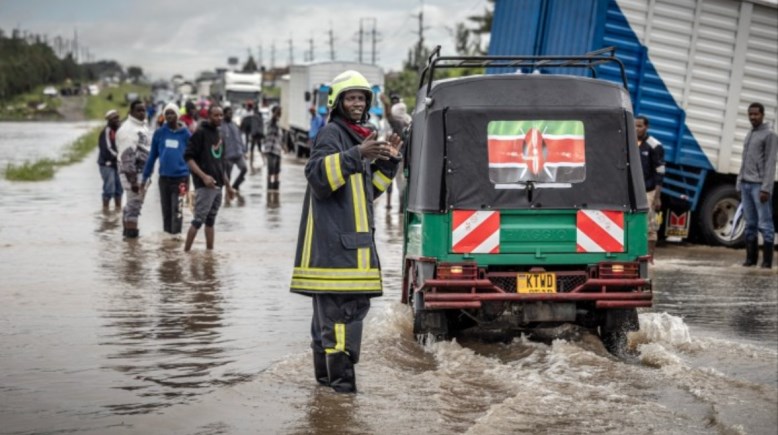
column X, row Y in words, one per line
column 166, row 37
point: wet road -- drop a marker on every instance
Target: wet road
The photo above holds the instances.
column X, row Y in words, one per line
column 102, row 336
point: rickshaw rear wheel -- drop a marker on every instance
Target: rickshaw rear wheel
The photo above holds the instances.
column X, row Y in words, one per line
column 615, row 327
column 430, row 326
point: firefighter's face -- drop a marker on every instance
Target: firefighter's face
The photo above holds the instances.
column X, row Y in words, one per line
column 354, row 103
column 755, row 116
column 641, row 128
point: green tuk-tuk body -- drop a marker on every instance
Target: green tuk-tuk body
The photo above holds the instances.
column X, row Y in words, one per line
column 525, row 205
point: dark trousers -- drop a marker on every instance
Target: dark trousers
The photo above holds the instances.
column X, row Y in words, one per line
column 336, row 333
column 171, row 193
column 240, row 162
column 273, row 164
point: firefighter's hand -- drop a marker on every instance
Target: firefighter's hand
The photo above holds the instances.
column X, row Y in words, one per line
column 763, row 196
column 372, row 149
column 395, row 144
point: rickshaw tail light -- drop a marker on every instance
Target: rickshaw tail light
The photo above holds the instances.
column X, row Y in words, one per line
column 457, row 271
column 619, row 270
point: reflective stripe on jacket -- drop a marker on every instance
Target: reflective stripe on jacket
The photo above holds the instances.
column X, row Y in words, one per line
column 335, row 249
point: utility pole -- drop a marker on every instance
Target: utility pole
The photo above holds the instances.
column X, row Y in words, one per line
column 310, row 49
column 374, row 39
column 332, row 43
column 74, row 46
column 273, row 55
column 291, row 50
column 359, row 39
column 259, row 57
column 420, row 45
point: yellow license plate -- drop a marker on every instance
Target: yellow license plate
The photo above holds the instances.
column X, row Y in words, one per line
column 536, row 282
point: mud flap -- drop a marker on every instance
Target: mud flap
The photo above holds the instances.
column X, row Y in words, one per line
column 621, row 320
column 428, row 322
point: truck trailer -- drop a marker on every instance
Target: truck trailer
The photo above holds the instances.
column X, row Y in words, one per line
column 306, row 86
column 238, row 88
column 693, row 67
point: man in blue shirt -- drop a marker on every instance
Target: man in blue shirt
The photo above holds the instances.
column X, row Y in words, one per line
column 168, row 144
column 318, row 119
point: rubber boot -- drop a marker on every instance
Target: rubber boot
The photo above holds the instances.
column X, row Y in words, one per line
column 767, row 256
column 320, row 368
column 752, row 251
column 341, row 373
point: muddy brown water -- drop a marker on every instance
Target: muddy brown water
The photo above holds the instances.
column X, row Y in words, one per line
column 102, row 336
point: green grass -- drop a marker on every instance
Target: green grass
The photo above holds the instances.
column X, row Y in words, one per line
column 31, row 171
column 25, row 106
column 113, row 98
column 44, row 169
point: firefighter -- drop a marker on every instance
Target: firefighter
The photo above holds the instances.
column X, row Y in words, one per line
column 336, row 261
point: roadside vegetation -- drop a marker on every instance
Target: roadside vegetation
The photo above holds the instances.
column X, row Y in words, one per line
column 113, row 97
column 31, row 105
column 44, row 169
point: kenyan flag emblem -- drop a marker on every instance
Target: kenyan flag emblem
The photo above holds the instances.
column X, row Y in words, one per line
column 538, row 151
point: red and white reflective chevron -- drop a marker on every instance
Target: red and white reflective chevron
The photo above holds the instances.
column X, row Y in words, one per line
column 599, row 231
column 475, row 232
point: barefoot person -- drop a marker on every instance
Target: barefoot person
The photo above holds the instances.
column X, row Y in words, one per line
column 133, row 140
column 205, row 156
column 168, row 145
column 108, row 161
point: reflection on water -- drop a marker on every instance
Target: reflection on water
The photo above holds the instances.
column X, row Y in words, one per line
column 164, row 325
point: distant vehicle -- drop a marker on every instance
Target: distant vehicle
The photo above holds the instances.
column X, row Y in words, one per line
column 307, row 86
column 131, row 96
column 94, row 90
column 50, row 91
column 237, row 88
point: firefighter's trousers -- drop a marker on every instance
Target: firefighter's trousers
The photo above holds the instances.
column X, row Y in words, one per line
column 336, row 332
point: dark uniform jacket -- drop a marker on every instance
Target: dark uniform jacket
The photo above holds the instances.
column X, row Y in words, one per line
column 335, row 250
column 652, row 159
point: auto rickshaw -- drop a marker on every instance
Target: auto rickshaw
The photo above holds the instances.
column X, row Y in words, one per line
column 526, row 206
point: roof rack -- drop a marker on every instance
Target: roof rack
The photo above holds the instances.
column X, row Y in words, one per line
column 589, row 60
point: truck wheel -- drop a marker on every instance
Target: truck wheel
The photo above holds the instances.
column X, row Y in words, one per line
column 430, row 326
column 615, row 326
column 717, row 215
column 428, row 323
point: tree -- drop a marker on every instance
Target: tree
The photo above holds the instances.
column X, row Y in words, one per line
column 135, row 73
column 250, row 65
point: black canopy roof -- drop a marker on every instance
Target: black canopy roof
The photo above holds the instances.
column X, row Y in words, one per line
column 448, row 158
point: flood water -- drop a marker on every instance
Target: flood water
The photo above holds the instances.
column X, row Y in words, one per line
column 103, row 336
column 21, row 141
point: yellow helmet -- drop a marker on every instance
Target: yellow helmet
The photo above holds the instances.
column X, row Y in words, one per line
column 348, row 81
